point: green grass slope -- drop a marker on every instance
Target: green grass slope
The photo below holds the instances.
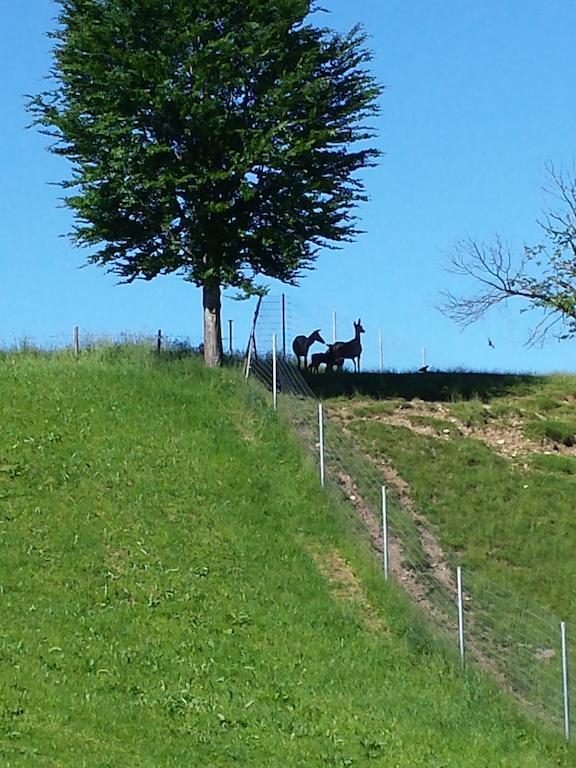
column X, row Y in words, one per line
column 509, row 518
column 176, row 591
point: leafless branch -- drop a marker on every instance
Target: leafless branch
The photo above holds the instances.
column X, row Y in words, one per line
column 544, row 276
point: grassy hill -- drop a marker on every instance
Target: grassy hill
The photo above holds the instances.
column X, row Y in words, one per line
column 490, row 460
column 176, row 591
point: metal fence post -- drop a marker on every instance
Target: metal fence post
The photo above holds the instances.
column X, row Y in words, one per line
column 321, row 442
column 565, row 689
column 249, row 356
column 385, row 532
column 274, row 374
column 76, row 341
column 283, row 325
column 460, row 615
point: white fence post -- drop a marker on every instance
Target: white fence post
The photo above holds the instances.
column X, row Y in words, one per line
column 385, row 532
column 76, row 341
column 565, row 689
column 460, row 615
column 274, row 374
column 321, row 442
column 284, row 326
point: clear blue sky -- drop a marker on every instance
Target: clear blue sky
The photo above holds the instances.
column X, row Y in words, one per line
column 480, row 96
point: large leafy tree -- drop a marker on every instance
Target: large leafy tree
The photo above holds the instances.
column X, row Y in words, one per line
column 218, row 139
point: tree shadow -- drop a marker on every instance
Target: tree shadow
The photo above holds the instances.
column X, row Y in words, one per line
column 429, row 386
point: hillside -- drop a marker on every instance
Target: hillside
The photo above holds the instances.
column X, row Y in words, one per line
column 490, row 460
column 177, row 591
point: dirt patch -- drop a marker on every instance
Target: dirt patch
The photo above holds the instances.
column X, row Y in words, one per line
column 422, row 585
column 505, row 436
column 116, row 560
column 346, row 587
column 435, row 565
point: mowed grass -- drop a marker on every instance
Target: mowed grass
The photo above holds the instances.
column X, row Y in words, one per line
column 176, row 591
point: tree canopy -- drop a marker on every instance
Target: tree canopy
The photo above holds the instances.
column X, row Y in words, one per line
column 219, row 140
column 543, row 275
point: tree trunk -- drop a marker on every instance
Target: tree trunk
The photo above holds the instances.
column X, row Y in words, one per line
column 213, row 350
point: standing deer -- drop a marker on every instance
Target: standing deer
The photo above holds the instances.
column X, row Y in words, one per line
column 302, row 344
column 350, row 350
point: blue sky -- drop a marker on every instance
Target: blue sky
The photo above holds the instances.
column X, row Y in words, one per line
column 479, row 97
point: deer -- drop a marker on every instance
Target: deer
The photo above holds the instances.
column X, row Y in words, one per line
column 302, row 344
column 325, row 357
column 349, row 350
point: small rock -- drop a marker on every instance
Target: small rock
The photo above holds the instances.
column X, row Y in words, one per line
column 544, row 653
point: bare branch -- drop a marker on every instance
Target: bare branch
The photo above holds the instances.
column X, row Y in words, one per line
column 543, row 276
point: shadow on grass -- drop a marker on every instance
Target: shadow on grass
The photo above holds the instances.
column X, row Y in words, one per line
column 432, row 386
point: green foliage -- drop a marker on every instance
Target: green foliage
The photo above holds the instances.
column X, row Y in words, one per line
column 565, row 465
column 558, row 431
column 544, row 402
column 471, row 412
column 220, row 140
column 160, row 604
column 435, row 424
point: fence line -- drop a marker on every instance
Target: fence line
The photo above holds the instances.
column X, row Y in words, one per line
column 525, row 646
column 519, row 643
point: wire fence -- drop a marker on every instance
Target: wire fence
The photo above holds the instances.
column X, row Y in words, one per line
column 384, row 349
column 522, row 645
column 82, row 340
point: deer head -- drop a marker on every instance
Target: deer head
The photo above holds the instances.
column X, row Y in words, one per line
column 315, row 336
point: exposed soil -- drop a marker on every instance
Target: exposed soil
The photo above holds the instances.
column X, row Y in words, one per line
column 397, row 565
column 346, row 587
column 505, row 436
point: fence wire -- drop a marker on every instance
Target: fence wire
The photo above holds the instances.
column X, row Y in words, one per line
column 518, row 642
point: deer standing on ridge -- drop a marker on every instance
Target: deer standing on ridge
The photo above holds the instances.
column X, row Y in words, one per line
column 302, row 344
column 350, row 350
